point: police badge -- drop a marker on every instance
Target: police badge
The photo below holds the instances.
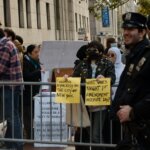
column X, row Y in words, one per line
column 128, row 16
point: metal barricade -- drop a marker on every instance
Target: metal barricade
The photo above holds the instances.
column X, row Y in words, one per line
column 43, row 127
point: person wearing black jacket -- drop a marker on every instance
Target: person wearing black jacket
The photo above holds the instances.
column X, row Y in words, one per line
column 31, row 73
column 131, row 105
column 94, row 66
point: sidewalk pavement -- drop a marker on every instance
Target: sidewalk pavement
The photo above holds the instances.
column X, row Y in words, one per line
column 31, row 147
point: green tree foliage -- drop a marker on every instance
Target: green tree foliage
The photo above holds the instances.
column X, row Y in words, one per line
column 143, row 6
column 99, row 4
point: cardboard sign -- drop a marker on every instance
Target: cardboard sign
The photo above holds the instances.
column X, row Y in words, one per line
column 60, row 72
column 97, row 92
column 68, row 91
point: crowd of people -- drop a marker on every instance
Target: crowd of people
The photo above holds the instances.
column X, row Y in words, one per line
column 130, row 101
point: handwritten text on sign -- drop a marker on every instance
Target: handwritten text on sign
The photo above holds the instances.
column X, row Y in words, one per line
column 49, row 120
column 97, row 92
column 68, row 91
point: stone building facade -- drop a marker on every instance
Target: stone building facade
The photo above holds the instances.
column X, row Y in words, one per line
column 43, row 20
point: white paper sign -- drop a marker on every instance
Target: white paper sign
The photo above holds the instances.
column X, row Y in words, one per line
column 59, row 54
column 49, row 121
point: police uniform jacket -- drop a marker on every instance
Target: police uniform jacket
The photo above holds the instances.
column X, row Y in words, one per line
column 134, row 86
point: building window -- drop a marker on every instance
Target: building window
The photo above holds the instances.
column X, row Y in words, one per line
column 76, row 20
column 84, row 21
column 20, row 13
column 57, row 13
column 87, row 24
column 80, row 20
column 7, row 18
column 28, row 13
column 48, row 16
column 38, row 14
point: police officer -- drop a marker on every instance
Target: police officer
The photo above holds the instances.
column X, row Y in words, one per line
column 131, row 104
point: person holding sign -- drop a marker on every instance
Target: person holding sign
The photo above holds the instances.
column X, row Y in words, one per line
column 94, row 66
column 131, row 105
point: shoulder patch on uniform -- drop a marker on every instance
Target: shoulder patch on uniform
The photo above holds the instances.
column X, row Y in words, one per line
column 130, row 69
column 140, row 63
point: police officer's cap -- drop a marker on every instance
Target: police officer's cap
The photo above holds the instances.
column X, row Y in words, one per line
column 134, row 20
column 148, row 22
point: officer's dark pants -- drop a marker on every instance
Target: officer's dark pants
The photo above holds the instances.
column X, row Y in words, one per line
column 111, row 126
column 132, row 142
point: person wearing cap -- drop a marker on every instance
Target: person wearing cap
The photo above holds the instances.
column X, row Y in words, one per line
column 131, row 104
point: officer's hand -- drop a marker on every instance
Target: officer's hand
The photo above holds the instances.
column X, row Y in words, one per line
column 124, row 113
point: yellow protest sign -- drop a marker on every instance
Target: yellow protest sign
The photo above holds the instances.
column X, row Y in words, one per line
column 68, row 91
column 97, row 92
